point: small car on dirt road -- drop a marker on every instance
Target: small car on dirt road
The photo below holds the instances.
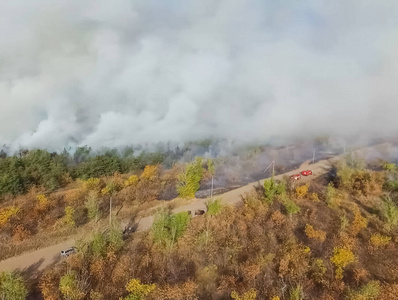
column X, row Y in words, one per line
column 306, row 173
column 67, row 252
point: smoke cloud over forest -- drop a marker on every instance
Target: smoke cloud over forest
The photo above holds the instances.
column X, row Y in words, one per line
column 112, row 73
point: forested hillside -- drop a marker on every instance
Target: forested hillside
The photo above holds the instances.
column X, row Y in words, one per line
column 335, row 238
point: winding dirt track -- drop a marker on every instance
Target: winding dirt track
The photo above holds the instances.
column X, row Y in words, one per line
column 39, row 259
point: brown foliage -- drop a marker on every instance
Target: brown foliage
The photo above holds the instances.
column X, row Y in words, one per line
column 278, row 218
column 294, row 263
column 75, row 197
column 360, row 274
column 48, row 286
column 358, row 223
column 20, row 233
column 315, row 234
column 185, row 291
column 388, row 292
column 98, row 269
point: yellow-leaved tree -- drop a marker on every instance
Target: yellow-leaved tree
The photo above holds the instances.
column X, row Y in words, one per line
column 138, row 290
column 7, row 213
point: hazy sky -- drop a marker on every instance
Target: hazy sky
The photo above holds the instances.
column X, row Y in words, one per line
column 110, row 73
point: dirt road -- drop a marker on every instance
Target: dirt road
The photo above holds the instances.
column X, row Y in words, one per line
column 42, row 258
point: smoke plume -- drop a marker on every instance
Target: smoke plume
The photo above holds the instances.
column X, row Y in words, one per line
column 112, row 73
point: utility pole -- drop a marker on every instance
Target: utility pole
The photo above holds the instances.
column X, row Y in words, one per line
column 273, row 167
column 313, row 155
column 212, row 184
column 344, row 146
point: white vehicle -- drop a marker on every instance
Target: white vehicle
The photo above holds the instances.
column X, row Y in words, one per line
column 66, row 253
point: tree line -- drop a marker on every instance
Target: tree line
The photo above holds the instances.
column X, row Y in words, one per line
column 52, row 170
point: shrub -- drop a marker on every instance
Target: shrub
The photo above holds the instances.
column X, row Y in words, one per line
column 344, row 222
column 167, row 228
column 369, row 291
column 249, row 295
column 314, row 197
column 301, row 191
column 137, row 290
column 133, row 179
column 112, row 187
column 389, row 211
column 150, row 173
column 277, row 217
column 341, row 258
column 42, row 202
column 290, row 206
column 273, row 189
column 12, row 287
column 360, row 274
column 92, row 205
column 318, row 270
column 315, row 234
column 20, row 233
column 331, row 197
column 390, row 167
column 49, row 286
column 379, row 240
column 7, row 213
column 296, row 293
column 388, row 291
column 115, row 238
column 214, row 207
column 70, row 287
column 391, row 185
column 98, row 245
column 69, row 217
column 92, row 184
column 358, row 223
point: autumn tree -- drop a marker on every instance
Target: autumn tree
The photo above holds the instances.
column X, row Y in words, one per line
column 341, row 258
column 301, row 191
column 7, row 213
column 138, row 290
column 315, row 234
column 189, row 179
column 249, row 295
column 359, row 221
column 42, row 203
column 132, row 180
column 12, row 287
column 150, row 173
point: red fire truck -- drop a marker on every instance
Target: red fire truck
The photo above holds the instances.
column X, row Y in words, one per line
column 295, row 176
column 306, row 172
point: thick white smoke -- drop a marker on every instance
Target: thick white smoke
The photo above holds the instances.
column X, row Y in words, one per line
column 111, row 73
